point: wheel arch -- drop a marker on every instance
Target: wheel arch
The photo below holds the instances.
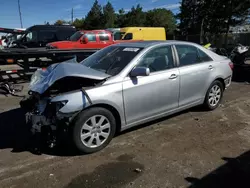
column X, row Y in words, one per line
column 220, row 79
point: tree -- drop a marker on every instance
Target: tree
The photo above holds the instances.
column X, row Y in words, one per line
column 235, row 12
column 94, row 19
column 161, row 18
column 189, row 17
column 211, row 16
column 121, row 18
column 78, row 23
column 109, row 15
column 135, row 17
column 60, row 22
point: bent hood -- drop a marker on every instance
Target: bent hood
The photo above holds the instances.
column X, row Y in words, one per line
column 43, row 79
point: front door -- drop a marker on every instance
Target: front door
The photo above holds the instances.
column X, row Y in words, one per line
column 195, row 68
column 149, row 96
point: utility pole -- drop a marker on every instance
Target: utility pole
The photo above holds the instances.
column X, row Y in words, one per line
column 72, row 16
column 20, row 15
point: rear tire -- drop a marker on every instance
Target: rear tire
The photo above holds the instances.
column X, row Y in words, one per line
column 93, row 129
column 214, row 95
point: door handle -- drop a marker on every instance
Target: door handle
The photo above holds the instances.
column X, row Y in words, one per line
column 173, row 76
column 210, row 67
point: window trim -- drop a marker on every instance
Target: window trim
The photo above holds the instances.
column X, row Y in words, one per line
column 177, row 56
column 152, row 48
column 94, row 35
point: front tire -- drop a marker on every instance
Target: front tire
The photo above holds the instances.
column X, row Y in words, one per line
column 93, row 129
column 214, row 95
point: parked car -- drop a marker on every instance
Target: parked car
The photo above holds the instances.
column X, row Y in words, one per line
column 40, row 35
column 86, row 39
column 122, row 86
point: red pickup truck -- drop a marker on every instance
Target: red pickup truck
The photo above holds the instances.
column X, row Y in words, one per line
column 87, row 39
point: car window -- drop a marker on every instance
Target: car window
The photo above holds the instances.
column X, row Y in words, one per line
column 91, row 37
column 31, row 36
column 158, row 59
column 103, row 36
column 128, row 36
column 203, row 56
column 64, row 34
column 188, row 55
column 47, row 35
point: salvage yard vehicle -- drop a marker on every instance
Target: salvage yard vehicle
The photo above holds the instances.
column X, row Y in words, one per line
column 38, row 36
column 87, row 39
column 122, row 86
column 143, row 33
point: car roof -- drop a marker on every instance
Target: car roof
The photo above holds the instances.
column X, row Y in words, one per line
column 96, row 31
column 146, row 44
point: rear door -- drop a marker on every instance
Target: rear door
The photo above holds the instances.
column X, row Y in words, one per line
column 196, row 68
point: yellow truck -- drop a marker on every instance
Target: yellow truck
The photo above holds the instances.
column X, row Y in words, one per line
column 143, row 33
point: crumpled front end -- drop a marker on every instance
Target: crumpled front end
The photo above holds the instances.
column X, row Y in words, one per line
column 51, row 116
column 57, row 95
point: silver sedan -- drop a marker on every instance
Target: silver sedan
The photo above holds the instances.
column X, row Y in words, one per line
column 122, row 86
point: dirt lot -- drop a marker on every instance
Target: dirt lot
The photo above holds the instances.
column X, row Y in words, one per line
column 194, row 148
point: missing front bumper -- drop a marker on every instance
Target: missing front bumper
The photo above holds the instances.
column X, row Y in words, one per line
column 37, row 122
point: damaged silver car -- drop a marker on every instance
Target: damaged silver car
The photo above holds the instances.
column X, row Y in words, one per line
column 122, row 86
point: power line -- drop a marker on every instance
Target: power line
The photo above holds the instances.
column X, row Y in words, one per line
column 20, row 15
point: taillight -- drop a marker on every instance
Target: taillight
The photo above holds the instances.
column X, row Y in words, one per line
column 231, row 65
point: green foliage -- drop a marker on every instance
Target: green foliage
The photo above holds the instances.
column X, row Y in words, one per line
column 94, row 19
column 161, row 18
column 60, row 22
column 105, row 17
column 121, row 18
column 135, row 17
column 109, row 16
column 78, row 23
column 211, row 16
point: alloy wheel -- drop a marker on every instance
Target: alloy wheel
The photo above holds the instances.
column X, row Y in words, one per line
column 214, row 95
column 95, row 131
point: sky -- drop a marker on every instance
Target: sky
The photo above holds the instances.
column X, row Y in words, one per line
column 38, row 11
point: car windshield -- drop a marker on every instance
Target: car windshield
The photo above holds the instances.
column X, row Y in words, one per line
column 76, row 36
column 111, row 60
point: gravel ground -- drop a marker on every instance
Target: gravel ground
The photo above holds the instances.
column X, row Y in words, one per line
column 191, row 149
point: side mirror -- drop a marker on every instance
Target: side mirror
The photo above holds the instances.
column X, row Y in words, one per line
column 84, row 40
column 140, row 71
